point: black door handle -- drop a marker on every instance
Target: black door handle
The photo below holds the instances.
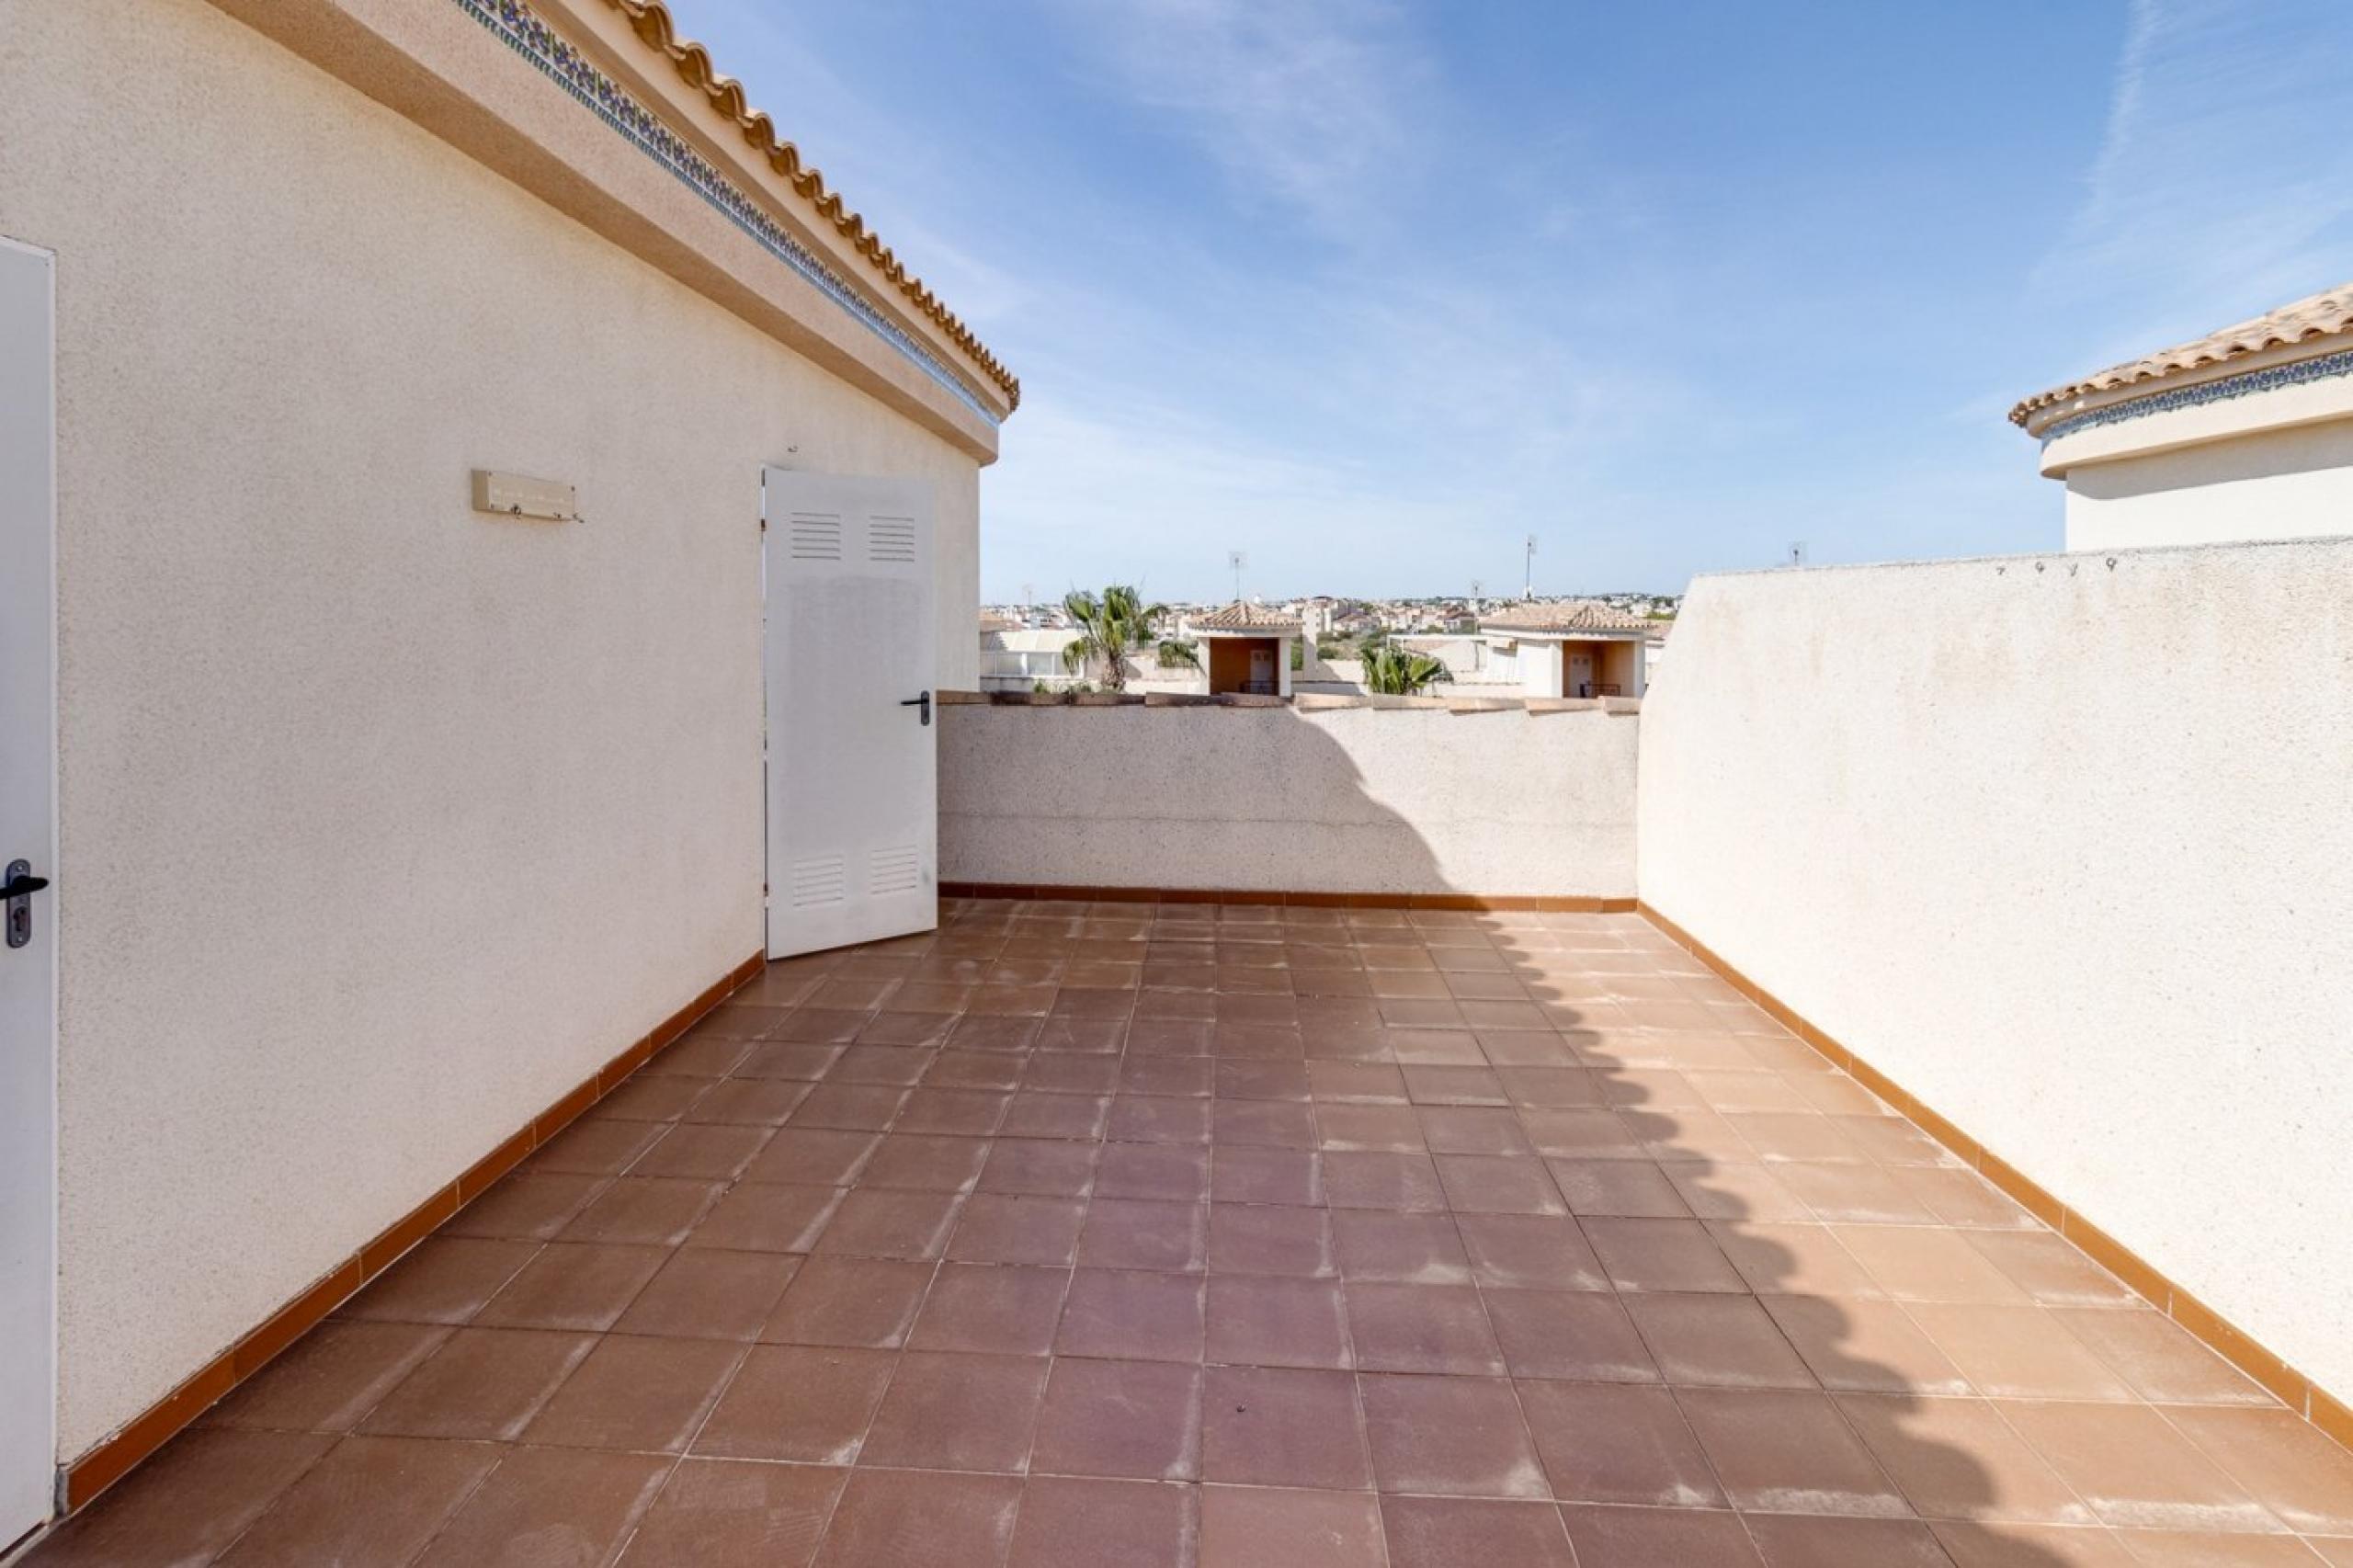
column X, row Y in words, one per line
column 922, row 702
column 15, row 895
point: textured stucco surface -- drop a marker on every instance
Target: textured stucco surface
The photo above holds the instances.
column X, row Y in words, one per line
column 2063, row 848
column 1351, row 800
column 383, row 822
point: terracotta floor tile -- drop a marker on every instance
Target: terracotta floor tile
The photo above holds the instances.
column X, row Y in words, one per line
column 2159, row 1357
column 710, row 1294
column 443, row 1279
column 2017, row 1353
column 898, row 1066
column 1793, row 1541
column 1794, row 1260
column 1267, row 1322
column 851, row 1108
column 957, row 1412
column 1262, row 1124
column 1717, row 1341
column 647, row 1395
column 2290, row 1465
column 1618, row 1443
column 1066, row 1116
column 1267, row 1176
column 998, row 1309
column 643, row 1211
column 1573, row 1335
column 1457, row 1435
column 798, row 1402
column 1140, row 1419
column 1460, row 1532
column 796, row 1061
column 1369, row 1128
column 925, row 1162
column 767, row 1217
column 1073, row 1523
column 2051, row 1269
column 747, row 1102
column 1957, row 1459
column 1148, row 1317
column 880, row 1222
column 852, row 1301
column 814, row 1157
column 895, row 1518
column 1485, row 1184
column 1421, row 1328
column 2030, row 1546
column 1626, row 1189
column 2198, row 1549
column 525, row 1206
column 1249, row 1526
column 410, row 1488
column 330, row 1378
column 568, row 1285
column 1260, row 1239
column 1188, row 1076
column 1582, row 1134
column 1864, row 1347
column 1046, row 1073
column 1917, row 1264
column 1714, row 1191
column 1443, row 1086
column 1399, row 1248
column 482, row 1383
column 1390, row 1181
column 1168, row 1173
column 1363, row 1083
column 702, row 1151
column 1537, row 1252
column 1470, row 1129
column 1776, row 1451
column 1158, row 1119
column 549, row 1506
column 1661, row 1255
column 1552, row 1088
column 1282, row 1427
column 198, row 1495
column 590, row 1147
column 1134, row 1234
column 2135, row 1468
column 1008, row 1228
column 1658, row 1537
column 1245, row 1079
column 648, row 1098
column 1039, row 1167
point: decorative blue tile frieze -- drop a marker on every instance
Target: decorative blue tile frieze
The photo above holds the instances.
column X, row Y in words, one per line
column 522, row 29
column 2272, row 378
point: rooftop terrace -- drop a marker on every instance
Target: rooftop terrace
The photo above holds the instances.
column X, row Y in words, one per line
column 1185, row 1234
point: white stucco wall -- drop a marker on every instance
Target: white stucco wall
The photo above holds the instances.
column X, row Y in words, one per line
column 1342, row 800
column 2064, row 849
column 2264, row 484
column 383, row 824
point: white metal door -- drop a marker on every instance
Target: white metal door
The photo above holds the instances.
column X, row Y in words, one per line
column 28, row 835
column 853, row 774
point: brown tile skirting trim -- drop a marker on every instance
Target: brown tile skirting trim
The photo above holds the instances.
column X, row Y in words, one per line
column 1474, row 903
column 2294, row 1390
column 102, row 1466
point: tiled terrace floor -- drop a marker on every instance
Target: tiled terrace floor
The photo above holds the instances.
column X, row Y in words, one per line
column 1091, row 1235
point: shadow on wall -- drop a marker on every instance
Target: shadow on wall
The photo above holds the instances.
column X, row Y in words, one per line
column 1414, row 800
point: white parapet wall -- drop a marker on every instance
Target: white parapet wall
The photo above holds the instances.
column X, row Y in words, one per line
column 1349, row 799
column 2062, row 845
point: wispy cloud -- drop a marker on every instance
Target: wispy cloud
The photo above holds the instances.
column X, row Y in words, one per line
column 2225, row 182
column 1304, row 102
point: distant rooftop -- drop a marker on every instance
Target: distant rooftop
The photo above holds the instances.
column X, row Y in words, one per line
column 2328, row 313
column 1243, row 616
column 1565, row 615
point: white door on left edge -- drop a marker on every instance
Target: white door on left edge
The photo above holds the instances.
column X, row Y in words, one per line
column 853, row 772
column 29, row 954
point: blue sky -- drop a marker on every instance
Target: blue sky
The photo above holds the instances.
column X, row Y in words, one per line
column 1370, row 289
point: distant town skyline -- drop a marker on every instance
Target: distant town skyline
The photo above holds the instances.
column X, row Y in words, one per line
column 1371, row 291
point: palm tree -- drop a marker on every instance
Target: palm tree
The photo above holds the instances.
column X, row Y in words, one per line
column 1114, row 625
column 1392, row 671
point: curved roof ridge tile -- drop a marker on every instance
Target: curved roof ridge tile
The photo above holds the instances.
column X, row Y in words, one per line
column 652, row 23
column 2328, row 313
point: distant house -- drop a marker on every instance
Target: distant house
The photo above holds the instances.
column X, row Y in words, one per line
column 1246, row 647
column 1015, row 657
column 2246, row 432
column 1570, row 648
